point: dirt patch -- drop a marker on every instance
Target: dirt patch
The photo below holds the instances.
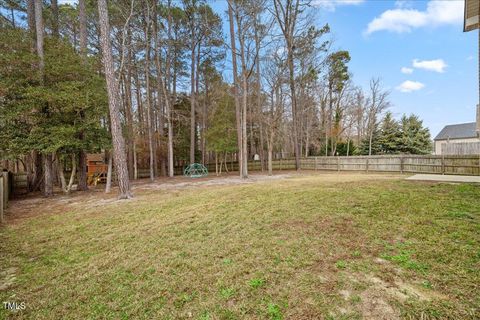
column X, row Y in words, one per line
column 7, row 278
column 205, row 182
column 400, row 290
column 418, row 292
column 35, row 204
column 374, row 302
column 373, row 306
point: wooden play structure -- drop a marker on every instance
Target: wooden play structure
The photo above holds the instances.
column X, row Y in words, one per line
column 96, row 169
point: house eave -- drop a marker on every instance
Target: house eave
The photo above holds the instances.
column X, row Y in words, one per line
column 456, row 138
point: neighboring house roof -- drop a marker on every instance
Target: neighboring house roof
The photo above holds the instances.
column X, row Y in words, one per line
column 458, row 131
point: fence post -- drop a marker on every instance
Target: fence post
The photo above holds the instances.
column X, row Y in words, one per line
column 366, row 165
column 338, row 163
column 443, row 163
column 316, row 165
column 401, row 164
column 1, row 199
column 280, row 164
column 6, row 189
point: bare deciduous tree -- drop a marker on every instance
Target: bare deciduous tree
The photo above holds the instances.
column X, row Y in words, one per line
column 377, row 103
column 286, row 13
column 274, row 75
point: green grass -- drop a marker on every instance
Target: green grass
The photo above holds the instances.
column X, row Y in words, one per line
column 272, row 250
column 341, row 264
column 256, row 283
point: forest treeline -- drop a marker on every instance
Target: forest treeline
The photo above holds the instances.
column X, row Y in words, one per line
column 158, row 83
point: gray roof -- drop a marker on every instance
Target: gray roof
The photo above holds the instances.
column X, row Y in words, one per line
column 458, row 131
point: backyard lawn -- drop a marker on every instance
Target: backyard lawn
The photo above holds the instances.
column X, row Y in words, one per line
column 321, row 246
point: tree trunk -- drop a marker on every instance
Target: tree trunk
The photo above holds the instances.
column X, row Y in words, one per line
column 235, row 88
column 244, row 127
column 307, row 139
column 294, row 105
column 135, row 166
column 82, row 154
column 139, row 97
column 61, row 174
column 82, row 19
column 31, row 22
column 174, row 98
column 170, row 150
column 221, row 164
column 204, row 124
column 160, row 90
column 286, row 16
column 48, row 169
column 169, row 105
column 149, row 102
column 270, row 156
column 82, row 169
column 370, row 143
column 47, row 157
column 55, row 31
column 113, row 103
column 225, row 157
column 192, row 94
column 348, row 145
column 244, row 171
column 197, row 83
column 163, row 88
column 66, row 188
column 108, row 184
column 129, row 116
column 326, row 138
column 37, row 168
column 72, row 174
column 262, row 147
column 259, row 91
column 39, row 33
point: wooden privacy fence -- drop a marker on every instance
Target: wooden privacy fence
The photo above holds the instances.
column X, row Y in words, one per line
column 5, row 189
column 20, row 183
column 461, row 148
column 436, row 164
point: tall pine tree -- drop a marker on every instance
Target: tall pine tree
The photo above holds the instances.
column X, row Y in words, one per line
column 390, row 135
column 415, row 138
